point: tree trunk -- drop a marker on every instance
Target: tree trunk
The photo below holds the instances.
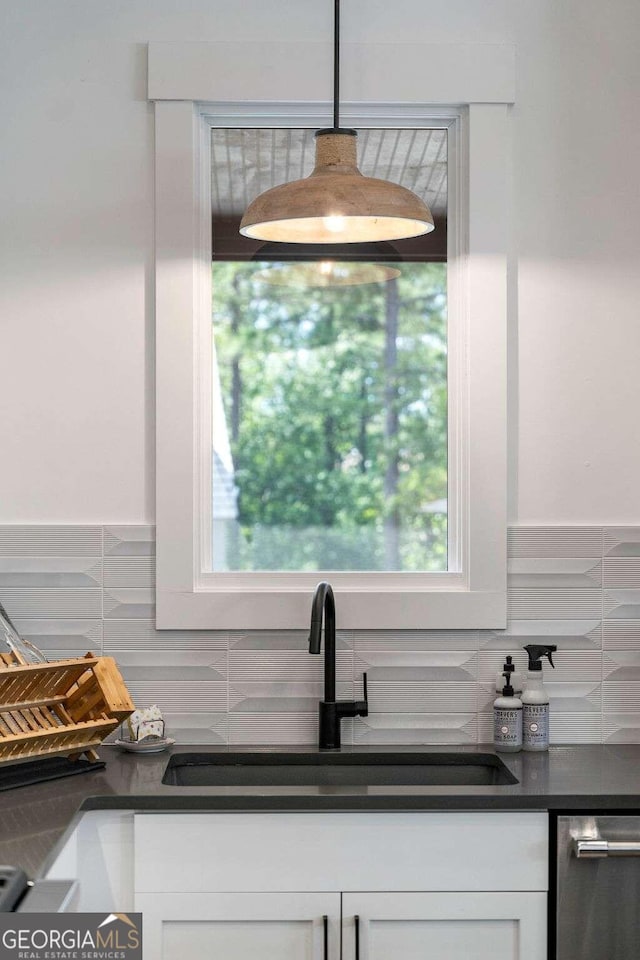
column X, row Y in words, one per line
column 364, row 423
column 392, row 519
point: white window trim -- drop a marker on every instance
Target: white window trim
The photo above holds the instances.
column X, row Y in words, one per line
column 186, row 596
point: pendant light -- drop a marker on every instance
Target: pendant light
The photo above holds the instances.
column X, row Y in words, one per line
column 336, row 203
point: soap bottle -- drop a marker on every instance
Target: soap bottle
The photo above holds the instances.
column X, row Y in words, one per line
column 515, row 678
column 507, row 719
column 535, row 700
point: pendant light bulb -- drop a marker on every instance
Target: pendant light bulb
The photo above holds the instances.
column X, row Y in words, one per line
column 336, row 203
column 334, row 224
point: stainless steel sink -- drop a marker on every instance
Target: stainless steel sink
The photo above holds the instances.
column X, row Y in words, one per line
column 336, row 769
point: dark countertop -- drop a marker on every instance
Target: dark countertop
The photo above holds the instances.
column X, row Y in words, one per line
column 35, row 820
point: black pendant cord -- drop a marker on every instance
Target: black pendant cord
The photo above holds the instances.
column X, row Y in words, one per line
column 336, row 65
column 336, row 128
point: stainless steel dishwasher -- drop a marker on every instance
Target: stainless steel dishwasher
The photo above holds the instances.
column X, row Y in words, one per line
column 598, row 895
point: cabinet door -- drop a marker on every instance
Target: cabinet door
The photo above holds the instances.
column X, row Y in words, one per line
column 240, row 926
column 444, row 926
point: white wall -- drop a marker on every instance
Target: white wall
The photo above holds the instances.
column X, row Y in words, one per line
column 76, row 195
column 577, row 157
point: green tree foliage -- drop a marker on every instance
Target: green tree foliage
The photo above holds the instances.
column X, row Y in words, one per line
column 307, row 387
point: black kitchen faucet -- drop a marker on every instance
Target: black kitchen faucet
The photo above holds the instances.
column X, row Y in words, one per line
column 331, row 711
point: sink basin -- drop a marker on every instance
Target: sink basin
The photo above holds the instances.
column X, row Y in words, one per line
column 336, row 769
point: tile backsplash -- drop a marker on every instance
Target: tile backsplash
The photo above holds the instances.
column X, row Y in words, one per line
column 76, row 588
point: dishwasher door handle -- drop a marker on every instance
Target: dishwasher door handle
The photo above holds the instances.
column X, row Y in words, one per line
column 593, row 849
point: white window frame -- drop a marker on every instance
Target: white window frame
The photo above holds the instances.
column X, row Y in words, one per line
column 473, row 593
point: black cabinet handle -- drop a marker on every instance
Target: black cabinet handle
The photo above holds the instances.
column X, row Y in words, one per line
column 356, row 921
column 325, row 926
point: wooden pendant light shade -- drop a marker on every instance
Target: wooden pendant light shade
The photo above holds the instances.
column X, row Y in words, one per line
column 336, row 203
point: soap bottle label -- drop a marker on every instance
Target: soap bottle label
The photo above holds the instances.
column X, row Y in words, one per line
column 507, row 727
column 536, row 724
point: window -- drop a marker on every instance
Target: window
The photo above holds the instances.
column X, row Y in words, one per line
column 444, row 564
column 329, row 387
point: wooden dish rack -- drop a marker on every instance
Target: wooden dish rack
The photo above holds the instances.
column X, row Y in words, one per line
column 65, row 706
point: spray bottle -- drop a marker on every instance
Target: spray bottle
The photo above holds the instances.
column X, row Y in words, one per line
column 507, row 719
column 535, row 700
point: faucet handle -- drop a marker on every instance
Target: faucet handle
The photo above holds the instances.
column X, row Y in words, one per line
column 363, row 705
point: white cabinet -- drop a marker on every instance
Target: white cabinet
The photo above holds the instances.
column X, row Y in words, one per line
column 449, row 926
column 374, row 926
column 241, row 926
column 423, row 885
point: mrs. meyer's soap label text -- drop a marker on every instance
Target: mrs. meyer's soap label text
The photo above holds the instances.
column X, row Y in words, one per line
column 536, row 724
column 507, row 727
